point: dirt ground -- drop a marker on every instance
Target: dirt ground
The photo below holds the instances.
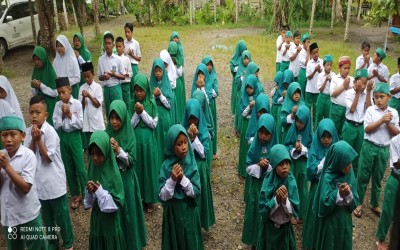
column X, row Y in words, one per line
column 227, row 186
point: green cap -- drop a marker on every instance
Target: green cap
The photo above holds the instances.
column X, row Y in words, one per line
column 11, row 122
column 361, row 73
column 382, row 87
column 304, row 37
column 380, row 53
column 328, row 58
column 289, row 33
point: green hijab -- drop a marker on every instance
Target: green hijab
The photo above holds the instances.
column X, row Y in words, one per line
column 338, row 157
column 188, row 164
column 241, row 67
column 279, row 82
column 288, row 76
column 180, row 48
column 148, row 102
column 174, row 52
column 164, row 84
column 207, row 82
column 262, row 102
column 236, row 58
column 83, row 50
column 213, row 74
column 288, row 103
column 108, row 173
column 125, row 135
column 102, row 51
column 272, row 182
column 201, row 98
column 252, row 82
column 303, row 114
column 317, row 151
column 46, row 74
column 251, row 69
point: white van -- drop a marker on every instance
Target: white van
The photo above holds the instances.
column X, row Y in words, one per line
column 15, row 24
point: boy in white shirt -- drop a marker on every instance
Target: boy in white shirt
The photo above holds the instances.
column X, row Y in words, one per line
column 364, row 60
column 304, row 56
column 395, row 89
column 126, row 63
column 323, row 84
column 285, row 51
column 294, row 55
column 132, row 50
column 279, row 42
column 377, row 71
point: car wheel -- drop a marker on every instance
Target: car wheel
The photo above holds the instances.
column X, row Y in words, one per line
column 3, row 47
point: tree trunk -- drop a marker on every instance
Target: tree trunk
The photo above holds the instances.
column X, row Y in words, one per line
column 83, row 13
column 346, row 31
column 46, row 21
column 236, row 10
column 339, row 11
column 65, row 16
column 105, row 9
column 275, row 15
column 359, row 11
column 56, row 16
column 73, row 11
column 96, row 18
column 32, row 22
column 333, row 14
column 190, row 12
column 215, row 12
column 314, row 2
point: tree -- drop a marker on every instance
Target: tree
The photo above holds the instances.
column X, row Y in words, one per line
column 45, row 11
column 96, row 17
column 71, row 2
column 333, row 14
column 31, row 12
column 56, row 16
column 65, row 15
column 314, row 2
column 346, row 31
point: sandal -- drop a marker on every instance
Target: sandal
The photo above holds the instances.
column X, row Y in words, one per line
column 376, row 210
column 76, row 201
column 357, row 212
column 381, row 245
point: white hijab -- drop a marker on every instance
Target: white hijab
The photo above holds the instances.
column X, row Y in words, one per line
column 164, row 55
column 11, row 99
column 67, row 65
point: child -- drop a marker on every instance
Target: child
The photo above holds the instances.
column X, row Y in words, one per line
column 294, row 55
column 126, row 64
column 335, row 198
column 314, row 67
column 172, row 76
column 253, row 69
column 66, row 65
column 132, row 50
column 381, row 123
column 298, row 142
column 82, row 53
column 285, row 51
column 175, row 38
column 234, row 66
column 68, row 121
column 279, row 201
column 102, row 49
column 179, row 183
column 280, row 41
column 180, row 89
column 395, row 89
column 339, row 84
column 110, row 71
column 276, row 94
column 391, row 188
column 196, row 127
column 105, row 195
column 261, row 106
column 323, row 85
column 325, row 135
column 248, row 97
column 357, row 101
column 44, row 80
column 378, row 71
column 7, row 95
column 91, row 97
column 144, row 122
column 364, row 60
column 50, row 179
column 123, row 143
column 257, row 162
column 304, row 57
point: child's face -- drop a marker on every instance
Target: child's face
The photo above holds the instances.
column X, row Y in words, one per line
column 286, row 85
column 77, row 43
column 282, row 170
column 38, row 114
column 120, row 48
column 381, row 100
column 3, row 93
column 256, row 73
column 344, row 70
column 128, row 33
column 139, row 92
column 346, row 169
column 60, row 48
column 296, row 96
column 64, row 93
column 115, row 121
column 249, row 90
column 96, row 155
column 365, row 51
column 108, row 45
column 288, row 39
column 297, row 40
column 328, row 67
column 299, row 124
column 264, row 136
column 11, row 140
column 37, row 62
column 209, row 67
column 158, row 73
column 315, row 54
column 175, row 39
column 283, row 32
column 360, row 82
column 326, row 139
column 181, row 146
column 261, row 112
column 88, row 76
column 307, row 43
column 193, row 120
column 246, row 61
column 376, row 59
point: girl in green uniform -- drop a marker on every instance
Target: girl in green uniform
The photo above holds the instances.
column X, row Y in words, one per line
column 175, row 38
column 83, row 52
column 260, row 107
column 180, row 90
column 234, row 66
column 277, row 99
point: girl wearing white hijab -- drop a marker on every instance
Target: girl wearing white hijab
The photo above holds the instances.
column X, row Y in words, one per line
column 9, row 104
column 172, row 76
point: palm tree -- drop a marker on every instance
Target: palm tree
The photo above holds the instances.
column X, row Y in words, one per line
column 96, row 17
column 346, row 31
column 314, row 3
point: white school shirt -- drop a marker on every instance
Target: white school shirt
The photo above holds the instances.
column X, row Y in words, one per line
column 134, row 45
column 294, row 65
column 381, row 135
column 302, row 58
column 311, row 86
column 5, row 109
column 278, row 52
column 395, row 83
column 17, row 207
column 382, row 70
column 360, row 62
column 359, row 112
column 126, row 63
column 281, row 214
column 50, row 178
column 336, row 82
column 106, row 64
column 285, row 58
column 92, row 117
column 394, row 152
column 321, row 79
column 68, row 125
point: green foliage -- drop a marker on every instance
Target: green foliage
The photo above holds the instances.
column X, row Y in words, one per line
column 381, row 10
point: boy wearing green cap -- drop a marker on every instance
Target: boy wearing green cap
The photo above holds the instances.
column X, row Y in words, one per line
column 323, row 85
column 303, row 60
column 285, row 51
column 294, row 55
column 314, row 67
column 395, row 89
column 381, row 124
column 378, row 72
column 280, row 41
column 20, row 206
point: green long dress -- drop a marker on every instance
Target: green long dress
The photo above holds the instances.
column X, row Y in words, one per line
column 180, row 89
column 205, row 201
column 257, row 151
column 316, row 153
column 47, row 75
column 180, row 47
column 106, row 228
column 132, row 213
column 334, row 222
column 271, row 237
column 236, row 59
column 84, row 53
column 181, row 228
column 164, row 114
column 276, row 106
column 147, row 165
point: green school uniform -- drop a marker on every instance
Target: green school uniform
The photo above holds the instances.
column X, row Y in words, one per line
column 171, row 39
column 147, row 149
column 84, row 53
column 236, row 59
column 132, row 216
column 324, row 106
column 337, row 114
column 299, row 164
column 47, row 76
column 276, row 106
column 257, row 151
column 238, row 82
column 261, row 105
column 302, row 80
column 394, row 103
column 271, row 235
column 105, row 228
column 315, row 155
column 181, row 227
column 180, row 89
column 334, row 222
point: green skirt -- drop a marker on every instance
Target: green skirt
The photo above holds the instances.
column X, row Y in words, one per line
column 163, row 125
column 205, row 200
column 276, row 112
column 272, row 238
column 180, row 97
column 309, row 226
column 238, row 114
column 243, row 148
column 234, row 92
column 213, row 107
column 173, row 110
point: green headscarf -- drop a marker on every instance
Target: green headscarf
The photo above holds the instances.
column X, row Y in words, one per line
column 213, row 73
column 174, row 52
column 46, row 74
column 125, row 135
column 83, row 50
column 279, row 82
column 108, row 173
column 102, row 51
column 236, row 58
column 148, row 102
column 288, row 76
column 251, row 69
column 303, row 114
column 175, row 34
column 207, row 82
column 272, row 182
column 262, row 102
column 317, row 151
column 241, row 67
column 251, row 81
column 288, row 103
column 201, row 98
column 189, row 165
column 338, row 157
column 164, row 84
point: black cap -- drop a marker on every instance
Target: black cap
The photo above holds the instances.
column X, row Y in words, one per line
column 62, row 81
column 313, row 46
column 87, row 66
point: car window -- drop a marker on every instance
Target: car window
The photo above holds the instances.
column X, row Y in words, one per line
column 2, row 9
column 18, row 11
